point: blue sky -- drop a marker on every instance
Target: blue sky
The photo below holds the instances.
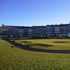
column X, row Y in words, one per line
column 34, row 12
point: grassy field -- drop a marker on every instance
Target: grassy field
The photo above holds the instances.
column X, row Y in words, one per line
column 13, row 58
column 56, row 44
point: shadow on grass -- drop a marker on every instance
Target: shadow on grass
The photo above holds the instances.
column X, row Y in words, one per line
column 61, row 42
column 12, row 46
column 38, row 44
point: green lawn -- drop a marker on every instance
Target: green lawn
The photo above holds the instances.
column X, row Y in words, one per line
column 13, row 58
column 55, row 46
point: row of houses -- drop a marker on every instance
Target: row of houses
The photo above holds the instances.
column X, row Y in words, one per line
column 40, row 31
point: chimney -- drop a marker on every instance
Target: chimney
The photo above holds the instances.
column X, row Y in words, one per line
column 2, row 25
column 56, row 24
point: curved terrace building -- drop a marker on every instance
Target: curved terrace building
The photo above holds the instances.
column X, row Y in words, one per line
column 39, row 31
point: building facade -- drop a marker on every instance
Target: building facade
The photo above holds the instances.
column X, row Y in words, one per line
column 35, row 31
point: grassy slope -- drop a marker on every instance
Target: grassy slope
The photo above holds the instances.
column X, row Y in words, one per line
column 13, row 58
column 56, row 46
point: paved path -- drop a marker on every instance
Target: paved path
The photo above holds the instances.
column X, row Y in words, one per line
column 38, row 50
